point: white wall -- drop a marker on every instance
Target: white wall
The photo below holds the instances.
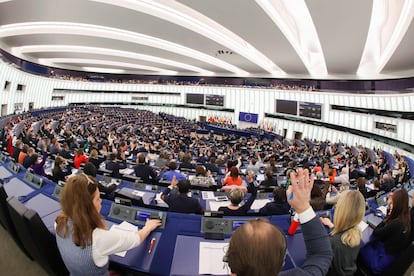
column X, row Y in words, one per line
column 40, row 90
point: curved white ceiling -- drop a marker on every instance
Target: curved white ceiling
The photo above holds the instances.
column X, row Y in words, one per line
column 333, row 39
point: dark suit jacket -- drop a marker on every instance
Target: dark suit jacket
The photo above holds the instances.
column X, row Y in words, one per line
column 273, row 208
column 319, row 250
column 181, row 203
column 146, row 173
column 115, row 167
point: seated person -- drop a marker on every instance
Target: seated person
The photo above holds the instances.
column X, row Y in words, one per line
column 202, row 178
column 172, row 171
column 180, row 202
column 81, row 236
column 144, row 171
column 186, row 164
column 91, row 171
column 317, row 198
column 95, row 159
column 346, row 234
column 332, row 196
column 279, row 205
column 79, row 159
column 114, row 165
column 38, row 166
column 259, row 247
column 59, row 173
column 233, row 178
column 390, row 237
column 236, row 197
column 269, row 180
column 211, row 166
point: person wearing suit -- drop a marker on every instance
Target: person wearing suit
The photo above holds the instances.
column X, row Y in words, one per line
column 114, row 165
column 278, row 206
column 144, row 171
column 180, row 202
column 259, row 247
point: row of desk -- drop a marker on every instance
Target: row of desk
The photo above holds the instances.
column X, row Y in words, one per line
column 176, row 248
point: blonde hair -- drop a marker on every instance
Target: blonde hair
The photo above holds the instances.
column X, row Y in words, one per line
column 349, row 212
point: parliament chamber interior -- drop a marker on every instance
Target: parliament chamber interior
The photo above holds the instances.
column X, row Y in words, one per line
column 203, row 125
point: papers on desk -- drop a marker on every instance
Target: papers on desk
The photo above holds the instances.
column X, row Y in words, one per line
column 207, row 195
column 259, row 203
column 126, row 171
column 211, row 258
column 363, row 225
column 138, row 193
column 215, row 205
column 122, row 228
column 159, row 201
column 383, row 210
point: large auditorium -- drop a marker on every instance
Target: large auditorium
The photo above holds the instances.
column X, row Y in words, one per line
column 236, row 137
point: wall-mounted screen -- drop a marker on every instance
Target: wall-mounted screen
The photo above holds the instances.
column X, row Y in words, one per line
column 387, row 127
column 310, row 110
column 287, row 107
column 216, row 100
column 195, row 98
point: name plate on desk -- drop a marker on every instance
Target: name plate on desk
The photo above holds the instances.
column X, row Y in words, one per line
column 136, row 215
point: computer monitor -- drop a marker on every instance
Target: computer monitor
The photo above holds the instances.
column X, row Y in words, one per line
column 382, row 200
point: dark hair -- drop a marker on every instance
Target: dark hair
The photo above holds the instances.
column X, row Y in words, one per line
column 234, row 172
column 141, row 158
column 256, row 248
column 184, row 186
column 269, row 174
column 172, row 165
column 90, row 169
column 400, row 210
column 279, row 195
column 200, row 170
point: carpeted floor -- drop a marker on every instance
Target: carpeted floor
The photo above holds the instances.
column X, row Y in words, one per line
column 13, row 261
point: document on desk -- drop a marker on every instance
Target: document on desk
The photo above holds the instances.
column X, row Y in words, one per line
column 122, row 228
column 211, row 258
column 159, row 201
column 126, row 171
column 259, row 203
column 207, row 195
column 215, row 205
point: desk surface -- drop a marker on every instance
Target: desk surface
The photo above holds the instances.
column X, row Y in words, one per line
column 16, row 187
column 4, row 173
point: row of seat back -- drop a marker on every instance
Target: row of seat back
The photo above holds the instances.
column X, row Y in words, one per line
column 31, row 234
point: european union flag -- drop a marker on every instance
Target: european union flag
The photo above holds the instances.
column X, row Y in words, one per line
column 248, row 117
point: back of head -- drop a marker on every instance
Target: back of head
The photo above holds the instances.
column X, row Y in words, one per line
column 236, row 196
column 269, row 174
column 90, row 169
column 279, row 195
column 79, row 152
column 141, row 158
column 234, row 172
column 200, row 170
column 94, row 153
column 347, row 219
column 172, row 166
column 184, row 186
column 256, row 248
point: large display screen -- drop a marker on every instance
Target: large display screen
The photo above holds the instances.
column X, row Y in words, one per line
column 310, row 110
column 195, row 98
column 287, row 107
column 216, row 100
